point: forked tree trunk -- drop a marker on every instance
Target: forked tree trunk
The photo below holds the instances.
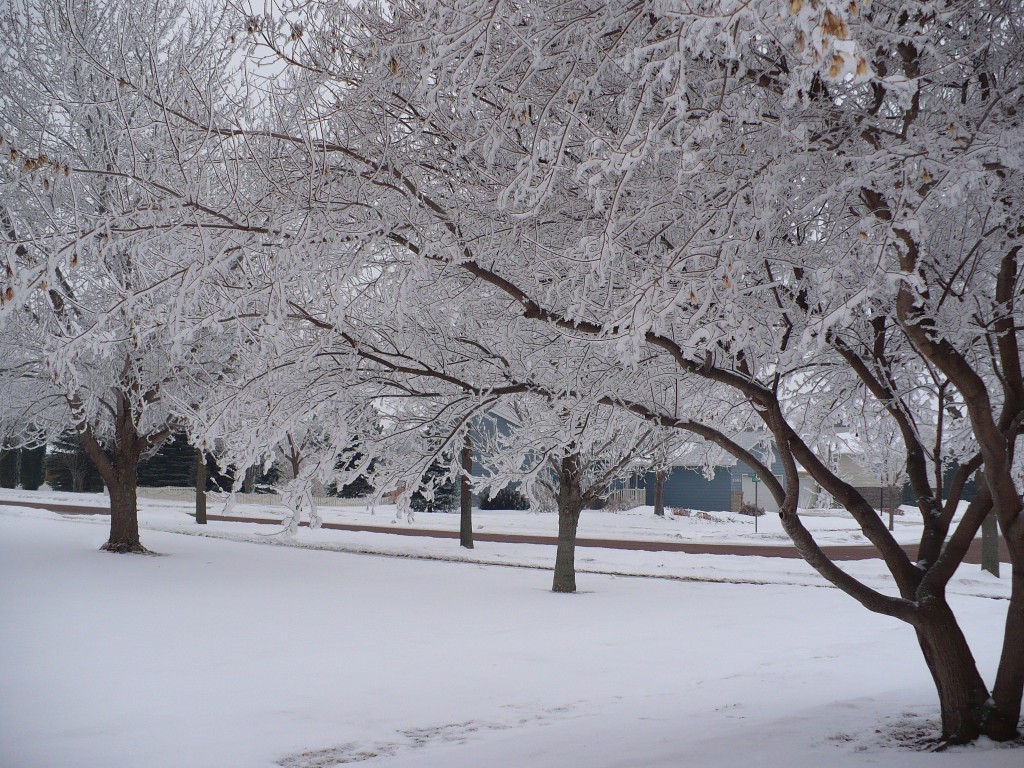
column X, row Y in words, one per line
column 466, row 497
column 570, row 505
column 118, row 467
column 966, row 708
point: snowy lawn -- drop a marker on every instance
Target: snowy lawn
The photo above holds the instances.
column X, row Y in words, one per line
column 641, row 524
column 830, row 527
column 225, row 653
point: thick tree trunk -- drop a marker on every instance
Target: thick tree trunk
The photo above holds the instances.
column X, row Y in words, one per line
column 1009, row 687
column 200, row 486
column 118, row 467
column 124, row 515
column 466, row 497
column 565, row 556
column 659, row 492
column 967, row 711
column 570, row 505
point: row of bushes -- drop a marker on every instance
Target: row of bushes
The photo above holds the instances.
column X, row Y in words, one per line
column 68, row 469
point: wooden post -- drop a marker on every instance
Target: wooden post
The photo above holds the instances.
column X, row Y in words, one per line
column 990, row 544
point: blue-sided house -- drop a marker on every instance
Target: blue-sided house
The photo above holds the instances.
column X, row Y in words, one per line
column 688, row 486
column 731, row 485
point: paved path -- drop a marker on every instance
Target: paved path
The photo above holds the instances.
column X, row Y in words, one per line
column 843, row 552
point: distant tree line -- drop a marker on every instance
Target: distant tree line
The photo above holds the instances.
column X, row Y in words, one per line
column 22, row 467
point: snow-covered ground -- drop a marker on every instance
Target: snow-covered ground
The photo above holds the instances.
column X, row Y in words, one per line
column 833, row 526
column 830, row 527
column 223, row 653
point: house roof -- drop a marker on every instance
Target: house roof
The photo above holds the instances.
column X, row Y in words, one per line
column 697, row 454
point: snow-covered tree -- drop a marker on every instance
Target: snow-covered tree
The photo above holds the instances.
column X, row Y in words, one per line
column 784, row 211
column 748, row 197
column 113, row 213
column 567, row 456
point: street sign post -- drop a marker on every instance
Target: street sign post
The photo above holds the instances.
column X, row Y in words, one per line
column 755, row 480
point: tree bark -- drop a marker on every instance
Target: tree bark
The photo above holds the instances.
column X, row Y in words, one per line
column 124, row 516
column 118, row 467
column 570, row 505
column 659, row 492
column 966, row 708
column 466, row 496
column 1009, row 686
column 200, row 486
column 565, row 556
column 249, row 480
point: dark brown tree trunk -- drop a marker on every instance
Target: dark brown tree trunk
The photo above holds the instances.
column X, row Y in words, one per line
column 124, row 516
column 1009, row 687
column 659, row 492
column 466, row 496
column 249, row 480
column 570, row 505
column 565, row 556
column 966, row 708
column 200, row 486
column 118, row 467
